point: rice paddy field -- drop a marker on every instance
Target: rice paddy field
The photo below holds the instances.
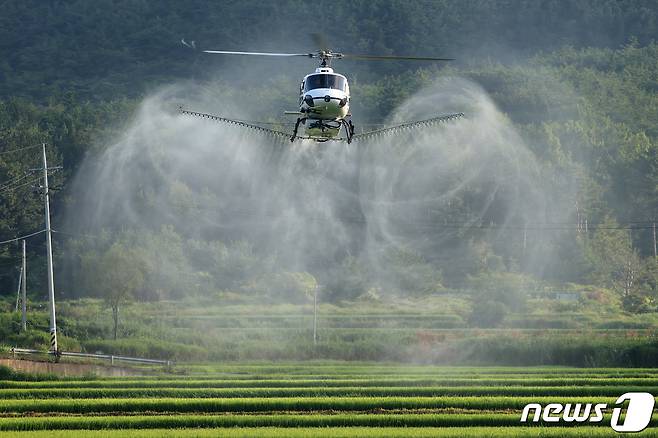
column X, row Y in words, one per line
column 315, row 399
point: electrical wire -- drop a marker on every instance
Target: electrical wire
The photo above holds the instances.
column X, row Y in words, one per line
column 9, row 188
column 27, row 236
column 27, row 183
column 66, row 233
column 13, row 181
column 21, row 149
column 256, row 215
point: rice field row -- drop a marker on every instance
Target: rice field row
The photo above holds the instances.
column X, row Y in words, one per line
column 339, row 432
column 316, row 399
column 454, row 420
column 366, row 369
column 614, row 383
column 303, row 404
column 341, row 391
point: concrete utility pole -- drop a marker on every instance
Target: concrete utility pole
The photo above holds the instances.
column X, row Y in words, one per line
column 655, row 248
column 49, row 249
column 18, row 289
column 315, row 315
column 24, row 291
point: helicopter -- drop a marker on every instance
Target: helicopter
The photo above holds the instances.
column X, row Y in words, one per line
column 324, row 99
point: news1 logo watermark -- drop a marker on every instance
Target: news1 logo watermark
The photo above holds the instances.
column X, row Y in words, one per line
column 636, row 419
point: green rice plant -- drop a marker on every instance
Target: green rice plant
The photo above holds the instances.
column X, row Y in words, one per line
column 618, row 383
column 186, row 405
column 370, row 369
column 343, row 432
column 299, row 420
column 11, row 375
column 441, row 391
column 461, row 420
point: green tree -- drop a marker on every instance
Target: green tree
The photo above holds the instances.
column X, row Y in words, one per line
column 294, row 287
column 487, row 313
column 119, row 276
column 508, row 288
column 614, row 263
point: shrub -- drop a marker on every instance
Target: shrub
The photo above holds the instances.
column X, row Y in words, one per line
column 488, row 314
column 147, row 348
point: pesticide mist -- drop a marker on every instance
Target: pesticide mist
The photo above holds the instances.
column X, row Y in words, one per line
column 214, row 207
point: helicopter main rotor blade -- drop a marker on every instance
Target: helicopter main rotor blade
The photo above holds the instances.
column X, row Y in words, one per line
column 326, row 54
column 226, row 52
column 393, row 57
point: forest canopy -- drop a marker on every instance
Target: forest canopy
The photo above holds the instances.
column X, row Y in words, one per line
column 578, row 80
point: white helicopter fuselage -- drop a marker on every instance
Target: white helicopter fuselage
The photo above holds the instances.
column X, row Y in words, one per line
column 324, row 100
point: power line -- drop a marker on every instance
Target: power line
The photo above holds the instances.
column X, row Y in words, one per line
column 20, row 149
column 76, row 234
column 13, row 181
column 36, row 233
column 15, row 187
column 9, row 187
column 267, row 216
column 242, row 219
column 564, row 227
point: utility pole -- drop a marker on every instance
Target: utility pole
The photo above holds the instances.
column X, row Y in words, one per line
column 315, row 315
column 655, row 248
column 49, row 249
column 24, row 291
column 18, row 289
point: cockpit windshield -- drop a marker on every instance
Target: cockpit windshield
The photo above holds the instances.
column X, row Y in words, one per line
column 324, row 81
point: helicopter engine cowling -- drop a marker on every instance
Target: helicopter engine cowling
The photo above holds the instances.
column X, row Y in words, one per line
column 325, row 103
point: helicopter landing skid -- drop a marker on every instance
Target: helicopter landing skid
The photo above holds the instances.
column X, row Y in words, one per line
column 349, row 129
column 294, row 132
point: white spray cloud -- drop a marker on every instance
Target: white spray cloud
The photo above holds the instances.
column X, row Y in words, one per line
column 311, row 205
